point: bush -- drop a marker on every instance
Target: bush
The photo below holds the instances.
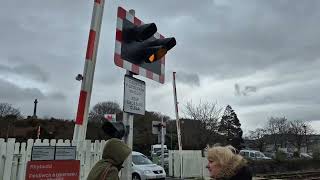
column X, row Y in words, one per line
column 270, row 166
column 316, row 153
column 296, row 154
column 280, row 156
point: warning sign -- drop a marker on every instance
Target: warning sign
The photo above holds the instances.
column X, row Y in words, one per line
column 134, row 95
column 53, row 170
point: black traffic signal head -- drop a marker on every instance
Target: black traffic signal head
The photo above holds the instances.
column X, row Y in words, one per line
column 139, row 46
column 114, row 129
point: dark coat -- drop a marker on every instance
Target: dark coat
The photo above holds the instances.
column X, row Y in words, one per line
column 243, row 174
column 114, row 154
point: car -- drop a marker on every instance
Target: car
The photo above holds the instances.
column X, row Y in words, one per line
column 143, row 168
column 305, row 156
column 156, row 149
column 254, row 155
column 165, row 157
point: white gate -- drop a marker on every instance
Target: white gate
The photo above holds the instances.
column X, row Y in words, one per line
column 193, row 164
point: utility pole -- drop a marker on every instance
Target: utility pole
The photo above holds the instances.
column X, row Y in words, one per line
column 177, row 122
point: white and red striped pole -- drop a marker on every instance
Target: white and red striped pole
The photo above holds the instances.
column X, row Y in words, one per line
column 177, row 122
column 80, row 128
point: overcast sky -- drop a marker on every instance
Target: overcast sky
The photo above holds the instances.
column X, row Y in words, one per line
column 261, row 57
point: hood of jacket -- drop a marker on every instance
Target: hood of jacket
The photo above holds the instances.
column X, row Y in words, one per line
column 116, row 151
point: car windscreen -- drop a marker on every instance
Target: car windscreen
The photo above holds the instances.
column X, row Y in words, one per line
column 140, row 160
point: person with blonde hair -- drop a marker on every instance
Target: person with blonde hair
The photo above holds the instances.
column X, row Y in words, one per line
column 225, row 163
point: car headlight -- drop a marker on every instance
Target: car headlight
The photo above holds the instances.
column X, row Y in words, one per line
column 147, row 172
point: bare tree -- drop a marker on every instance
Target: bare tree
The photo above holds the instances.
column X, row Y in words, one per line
column 259, row 136
column 296, row 134
column 278, row 130
column 208, row 114
column 102, row 108
column 8, row 110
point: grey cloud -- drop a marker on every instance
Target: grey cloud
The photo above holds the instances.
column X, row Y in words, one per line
column 170, row 9
column 292, row 94
column 249, row 89
column 191, row 79
column 57, row 96
column 11, row 92
column 253, row 40
column 237, row 89
column 290, row 72
column 261, row 114
column 218, row 38
column 31, row 70
column 245, row 91
column 26, row 70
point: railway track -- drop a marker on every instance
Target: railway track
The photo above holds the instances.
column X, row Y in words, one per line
column 308, row 175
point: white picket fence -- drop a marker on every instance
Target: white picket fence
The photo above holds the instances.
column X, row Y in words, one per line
column 193, row 164
column 14, row 155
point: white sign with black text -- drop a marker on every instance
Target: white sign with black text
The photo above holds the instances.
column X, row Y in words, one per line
column 134, row 95
column 65, row 153
column 40, row 153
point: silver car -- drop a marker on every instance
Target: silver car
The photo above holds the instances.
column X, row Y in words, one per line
column 143, row 168
column 254, row 155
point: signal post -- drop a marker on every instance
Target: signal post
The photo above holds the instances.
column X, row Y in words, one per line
column 139, row 49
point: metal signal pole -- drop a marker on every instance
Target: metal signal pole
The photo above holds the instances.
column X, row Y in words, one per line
column 126, row 172
column 162, row 142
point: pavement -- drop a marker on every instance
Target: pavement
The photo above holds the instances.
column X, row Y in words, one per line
column 173, row 178
column 207, row 178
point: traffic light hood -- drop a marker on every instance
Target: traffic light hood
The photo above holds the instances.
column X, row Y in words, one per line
column 139, row 33
column 139, row 45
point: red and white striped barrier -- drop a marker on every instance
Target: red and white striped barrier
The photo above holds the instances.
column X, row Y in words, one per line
column 88, row 73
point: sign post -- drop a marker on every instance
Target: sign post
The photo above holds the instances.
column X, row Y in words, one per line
column 140, row 50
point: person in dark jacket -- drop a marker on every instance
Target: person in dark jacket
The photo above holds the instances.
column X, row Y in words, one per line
column 224, row 163
column 115, row 152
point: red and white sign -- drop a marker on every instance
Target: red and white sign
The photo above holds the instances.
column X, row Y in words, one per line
column 110, row 117
column 125, row 15
column 53, row 170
